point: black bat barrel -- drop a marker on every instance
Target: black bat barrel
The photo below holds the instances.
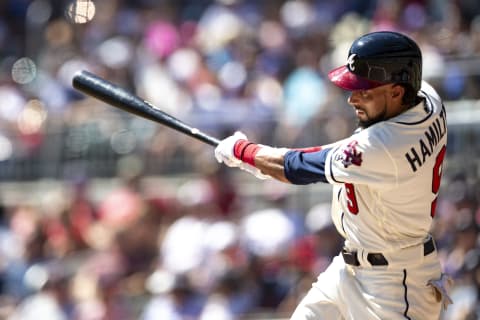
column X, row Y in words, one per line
column 118, row 97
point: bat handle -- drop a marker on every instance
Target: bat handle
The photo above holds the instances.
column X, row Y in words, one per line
column 205, row 138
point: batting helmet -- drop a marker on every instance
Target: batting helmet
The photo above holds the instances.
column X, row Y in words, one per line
column 379, row 58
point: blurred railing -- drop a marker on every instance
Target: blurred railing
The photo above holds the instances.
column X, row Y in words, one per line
column 83, row 151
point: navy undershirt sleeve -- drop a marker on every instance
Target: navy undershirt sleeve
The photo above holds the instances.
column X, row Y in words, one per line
column 305, row 167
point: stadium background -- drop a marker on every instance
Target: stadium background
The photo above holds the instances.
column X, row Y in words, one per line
column 107, row 216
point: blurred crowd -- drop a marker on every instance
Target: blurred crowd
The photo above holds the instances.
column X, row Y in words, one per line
column 208, row 242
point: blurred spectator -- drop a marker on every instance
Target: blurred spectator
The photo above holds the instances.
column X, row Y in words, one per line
column 178, row 301
column 11, row 258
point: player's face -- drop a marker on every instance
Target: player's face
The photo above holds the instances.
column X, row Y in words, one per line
column 373, row 105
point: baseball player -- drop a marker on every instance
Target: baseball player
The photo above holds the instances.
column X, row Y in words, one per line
column 385, row 178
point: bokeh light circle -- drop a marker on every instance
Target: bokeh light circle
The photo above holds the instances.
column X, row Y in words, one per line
column 24, row 70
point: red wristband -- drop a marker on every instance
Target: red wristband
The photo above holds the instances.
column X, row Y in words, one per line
column 246, row 151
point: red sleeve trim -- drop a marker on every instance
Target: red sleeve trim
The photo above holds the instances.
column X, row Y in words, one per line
column 309, row 149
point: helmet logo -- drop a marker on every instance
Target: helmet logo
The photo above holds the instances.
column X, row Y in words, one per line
column 351, row 61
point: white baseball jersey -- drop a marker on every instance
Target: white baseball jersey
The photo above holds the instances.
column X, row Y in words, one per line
column 386, row 177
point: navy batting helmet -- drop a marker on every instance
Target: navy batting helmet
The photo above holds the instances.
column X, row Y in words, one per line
column 379, row 58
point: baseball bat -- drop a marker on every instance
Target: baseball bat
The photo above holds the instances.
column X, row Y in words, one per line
column 119, row 97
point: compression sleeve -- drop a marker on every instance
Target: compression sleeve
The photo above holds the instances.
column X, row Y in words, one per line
column 305, row 167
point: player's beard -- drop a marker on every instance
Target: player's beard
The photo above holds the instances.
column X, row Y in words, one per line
column 371, row 121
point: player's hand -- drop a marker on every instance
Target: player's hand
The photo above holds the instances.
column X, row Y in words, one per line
column 224, row 150
column 224, row 153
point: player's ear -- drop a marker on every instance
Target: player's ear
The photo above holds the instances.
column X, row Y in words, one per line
column 397, row 91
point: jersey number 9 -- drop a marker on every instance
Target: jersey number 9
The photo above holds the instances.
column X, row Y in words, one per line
column 352, row 204
column 437, row 177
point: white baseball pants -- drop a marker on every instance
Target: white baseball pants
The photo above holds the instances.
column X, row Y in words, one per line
column 374, row 292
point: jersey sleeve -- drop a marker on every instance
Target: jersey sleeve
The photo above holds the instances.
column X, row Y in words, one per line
column 362, row 159
column 305, row 167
